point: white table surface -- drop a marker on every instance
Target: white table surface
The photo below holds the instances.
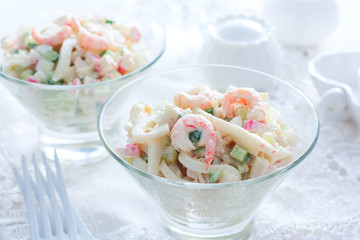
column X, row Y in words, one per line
column 320, row 200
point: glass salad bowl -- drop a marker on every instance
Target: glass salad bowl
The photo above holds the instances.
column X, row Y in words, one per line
column 67, row 114
column 204, row 210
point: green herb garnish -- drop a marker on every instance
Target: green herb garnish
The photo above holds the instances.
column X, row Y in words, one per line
column 32, row 45
column 102, row 53
column 195, row 136
column 210, row 110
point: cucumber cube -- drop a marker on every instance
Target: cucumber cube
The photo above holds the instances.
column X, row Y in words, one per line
column 30, row 43
column 129, row 160
column 185, row 112
column 43, row 48
column 167, row 141
column 51, row 55
column 214, row 176
column 108, row 52
column 169, row 155
column 26, row 74
column 45, row 66
column 240, row 154
column 40, row 77
column 200, row 152
column 269, row 137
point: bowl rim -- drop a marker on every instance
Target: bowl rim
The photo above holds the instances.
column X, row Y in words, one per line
column 92, row 85
column 193, row 185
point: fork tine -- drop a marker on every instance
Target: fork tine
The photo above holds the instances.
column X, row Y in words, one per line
column 19, row 180
column 82, row 227
column 50, row 174
column 54, row 204
column 29, row 201
column 42, row 203
column 35, row 191
column 63, row 214
column 31, row 214
column 45, row 224
column 70, row 221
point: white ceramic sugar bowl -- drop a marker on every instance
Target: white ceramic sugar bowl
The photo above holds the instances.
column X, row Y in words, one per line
column 302, row 23
column 245, row 41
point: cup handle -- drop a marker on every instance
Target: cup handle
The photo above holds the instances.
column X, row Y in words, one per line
column 334, row 105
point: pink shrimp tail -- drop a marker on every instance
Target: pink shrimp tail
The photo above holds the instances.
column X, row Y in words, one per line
column 36, row 37
column 55, row 40
column 75, row 24
column 92, row 42
column 210, row 150
column 208, row 160
column 247, row 98
column 208, row 163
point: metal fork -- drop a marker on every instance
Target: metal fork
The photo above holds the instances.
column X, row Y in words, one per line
column 58, row 221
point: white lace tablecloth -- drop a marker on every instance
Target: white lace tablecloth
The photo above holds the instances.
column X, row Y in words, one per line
column 320, row 200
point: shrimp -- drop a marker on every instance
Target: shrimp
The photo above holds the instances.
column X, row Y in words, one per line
column 69, row 20
column 92, row 41
column 55, row 39
column 8, row 43
column 75, row 24
column 201, row 97
column 243, row 97
column 180, row 135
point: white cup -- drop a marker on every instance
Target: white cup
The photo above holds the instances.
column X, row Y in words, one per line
column 245, row 41
column 336, row 77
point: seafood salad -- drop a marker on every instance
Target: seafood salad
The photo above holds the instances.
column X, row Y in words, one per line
column 208, row 137
column 73, row 50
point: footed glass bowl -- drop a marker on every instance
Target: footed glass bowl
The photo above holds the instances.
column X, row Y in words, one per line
column 198, row 210
column 67, row 115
